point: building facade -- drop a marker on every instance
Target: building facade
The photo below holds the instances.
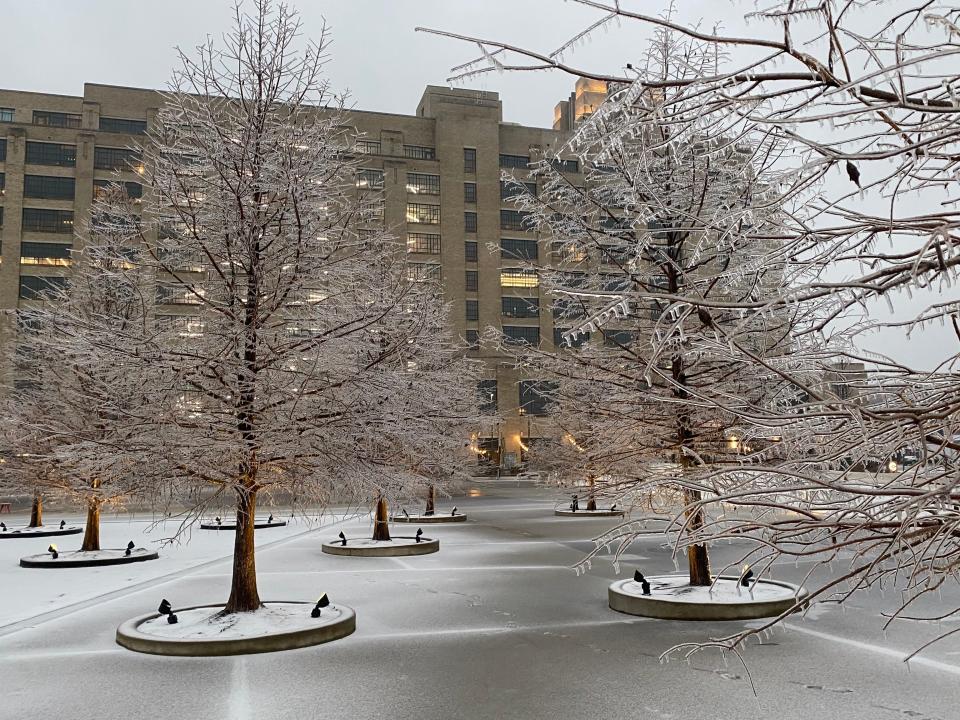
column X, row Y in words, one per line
column 440, row 174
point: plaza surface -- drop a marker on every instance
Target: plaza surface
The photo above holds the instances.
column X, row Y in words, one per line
column 495, row 625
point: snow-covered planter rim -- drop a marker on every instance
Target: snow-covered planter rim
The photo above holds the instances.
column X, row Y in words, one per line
column 566, row 512
column 335, row 622
column 435, row 518
column 672, row 598
column 257, row 525
column 42, row 531
column 397, row 546
column 88, row 558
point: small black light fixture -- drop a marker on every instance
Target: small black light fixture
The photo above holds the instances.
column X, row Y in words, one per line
column 52, row 549
column 613, row 508
column 130, row 547
column 165, row 607
column 172, row 619
column 323, row 602
column 63, row 524
column 218, row 520
column 343, row 538
column 746, row 577
column 644, row 585
column 405, row 513
column 454, row 511
column 575, row 505
column 270, row 519
column 419, row 534
column 3, row 527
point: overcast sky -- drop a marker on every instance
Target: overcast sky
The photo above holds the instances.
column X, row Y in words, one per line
column 57, row 45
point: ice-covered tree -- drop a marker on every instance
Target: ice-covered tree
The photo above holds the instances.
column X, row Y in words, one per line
column 292, row 350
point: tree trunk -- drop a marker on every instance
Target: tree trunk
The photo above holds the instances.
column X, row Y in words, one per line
column 36, row 511
column 381, row 529
column 431, row 500
column 91, row 532
column 243, row 586
column 697, row 556
column 591, row 498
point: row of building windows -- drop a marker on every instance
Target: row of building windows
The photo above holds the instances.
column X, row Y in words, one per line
column 414, row 152
column 61, row 155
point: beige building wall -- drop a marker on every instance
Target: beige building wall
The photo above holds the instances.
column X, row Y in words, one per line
column 430, row 143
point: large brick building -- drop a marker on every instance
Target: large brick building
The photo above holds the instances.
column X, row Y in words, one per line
column 439, row 171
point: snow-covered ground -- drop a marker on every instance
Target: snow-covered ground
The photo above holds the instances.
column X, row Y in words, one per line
column 494, row 626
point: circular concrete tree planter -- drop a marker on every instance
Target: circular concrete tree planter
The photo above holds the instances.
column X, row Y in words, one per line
column 88, row 558
column 199, row 633
column 588, row 513
column 672, row 598
column 397, row 546
column 257, row 525
column 39, row 532
column 425, row 519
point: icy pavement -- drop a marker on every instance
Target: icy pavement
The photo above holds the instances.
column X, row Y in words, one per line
column 493, row 626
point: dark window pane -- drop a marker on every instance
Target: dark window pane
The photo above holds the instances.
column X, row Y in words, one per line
column 473, row 310
column 39, row 153
column 419, row 152
column 514, row 161
column 56, row 119
column 470, row 192
column 48, row 187
column 472, row 283
column 34, row 288
column 469, row 160
column 122, row 125
column 522, row 334
column 520, row 307
column 518, row 249
column 487, row 396
column 106, row 158
column 515, row 220
column 470, row 222
column 470, row 251
column 48, row 221
column 371, row 179
column 132, row 189
column 576, row 342
column 536, row 396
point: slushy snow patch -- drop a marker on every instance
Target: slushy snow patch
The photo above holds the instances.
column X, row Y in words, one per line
column 206, row 623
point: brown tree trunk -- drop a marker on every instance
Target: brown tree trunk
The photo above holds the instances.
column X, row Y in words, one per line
column 431, row 500
column 243, row 586
column 591, row 498
column 36, row 511
column 91, row 532
column 381, row 529
column 697, row 556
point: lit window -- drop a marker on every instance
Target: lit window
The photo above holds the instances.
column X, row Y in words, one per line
column 48, row 254
column 421, row 213
column 368, row 147
column 423, row 184
column 423, row 271
column 423, row 243
column 519, row 277
column 47, row 221
column 370, row 179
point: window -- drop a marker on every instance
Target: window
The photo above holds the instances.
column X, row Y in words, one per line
column 536, row 396
column 520, row 307
column 107, row 158
column 368, row 147
column 425, row 214
column 53, row 254
column 183, row 325
column 568, row 252
column 370, row 179
column 423, row 243
column 514, row 161
column 614, row 283
column 522, row 334
column 56, row 119
column 423, row 184
column 567, row 308
column 617, row 337
column 3, row 149
column 519, row 277
column 176, row 295
column 512, row 188
column 47, row 221
column 3, row 182
column 470, row 160
column 39, row 153
column 518, row 249
column 470, row 251
column 515, row 220
column 419, row 152
column 121, row 125
column 470, row 222
column 469, row 192
column 132, row 189
column 487, row 396
column 6, row 114
column 35, row 288
column 51, row 188
column 1, row 216
column 473, row 339
column 472, row 281
column 473, row 310
column 567, row 166
column 423, row 271
column 576, row 342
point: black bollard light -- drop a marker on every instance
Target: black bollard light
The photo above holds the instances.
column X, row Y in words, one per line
column 165, row 607
column 613, row 507
column 172, row 619
column 53, row 551
column 218, row 520
column 419, row 534
column 644, row 585
column 343, row 538
column 323, row 602
column 3, row 527
column 454, row 511
column 63, row 524
column 130, row 547
column 270, row 519
column 747, row 576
